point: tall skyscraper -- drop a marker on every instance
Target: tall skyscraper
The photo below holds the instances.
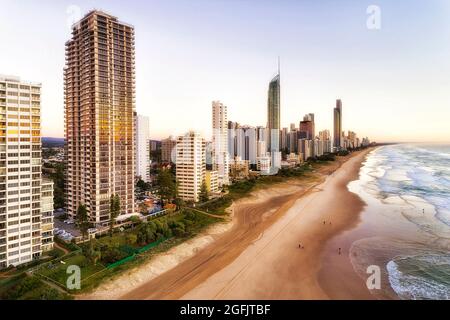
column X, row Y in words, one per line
column 99, row 85
column 337, row 125
column 250, row 145
column 273, row 121
column 240, row 142
column 220, row 142
column 26, row 200
column 273, row 114
column 232, row 126
column 190, row 165
column 142, row 147
column 284, row 138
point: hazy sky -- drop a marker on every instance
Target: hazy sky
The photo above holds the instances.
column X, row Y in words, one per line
column 394, row 81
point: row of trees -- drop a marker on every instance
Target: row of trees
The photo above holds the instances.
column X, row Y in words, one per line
column 140, row 234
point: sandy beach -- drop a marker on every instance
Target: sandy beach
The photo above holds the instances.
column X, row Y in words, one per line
column 273, row 248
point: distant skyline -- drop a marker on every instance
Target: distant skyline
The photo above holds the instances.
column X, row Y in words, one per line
column 393, row 82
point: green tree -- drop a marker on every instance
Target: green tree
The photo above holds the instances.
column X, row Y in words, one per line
column 131, row 239
column 144, row 186
column 167, row 188
column 134, row 221
column 93, row 252
column 114, row 211
column 204, row 195
column 155, row 155
column 82, row 220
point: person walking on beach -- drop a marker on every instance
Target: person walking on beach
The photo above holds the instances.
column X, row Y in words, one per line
column 339, row 251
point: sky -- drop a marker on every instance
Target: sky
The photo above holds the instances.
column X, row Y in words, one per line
column 390, row 67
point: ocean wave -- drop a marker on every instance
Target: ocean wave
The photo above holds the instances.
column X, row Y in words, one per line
column 420, row 277
column 409, row 170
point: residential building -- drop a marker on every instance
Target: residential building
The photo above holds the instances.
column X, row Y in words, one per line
column 307, row 126
column 142, row 147
column 168, row 150
column 155, row 145
column 264, row 165
column 212, row 181
column 232, row 126
column 47, row 214
column 239, row 169
column 306, row 148
column 284, row 139
column 220, row 142
column 261, row 149
column 240, row 142
column 26, row 201
column 250, row 145
column 99, row 87
column 293, row 141
column 190, row 165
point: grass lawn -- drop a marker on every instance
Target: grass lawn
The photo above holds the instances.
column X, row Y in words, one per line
column 58, row 271
column 23, row 287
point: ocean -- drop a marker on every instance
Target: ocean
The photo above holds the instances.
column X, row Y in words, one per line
column 407, row 191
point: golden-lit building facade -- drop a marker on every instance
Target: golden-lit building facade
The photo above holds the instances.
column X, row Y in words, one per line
column 99, row 84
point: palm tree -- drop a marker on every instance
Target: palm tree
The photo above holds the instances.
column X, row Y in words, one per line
column 114, row 211
column 82, row 220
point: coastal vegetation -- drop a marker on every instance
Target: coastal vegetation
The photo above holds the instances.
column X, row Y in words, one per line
column 104, row 257
column 29, row 287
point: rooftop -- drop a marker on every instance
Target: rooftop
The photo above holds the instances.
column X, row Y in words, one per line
column 9, row 78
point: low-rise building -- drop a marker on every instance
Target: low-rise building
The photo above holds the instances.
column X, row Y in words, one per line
column 264, row 164
column 239, row 169
column 212, row 181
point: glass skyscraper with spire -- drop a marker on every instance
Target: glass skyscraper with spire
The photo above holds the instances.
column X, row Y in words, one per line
column 273, row 122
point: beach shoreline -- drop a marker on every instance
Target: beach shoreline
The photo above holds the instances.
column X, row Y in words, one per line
column 222, row 267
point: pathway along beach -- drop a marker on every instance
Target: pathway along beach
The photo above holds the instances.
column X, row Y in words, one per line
column 274, row 249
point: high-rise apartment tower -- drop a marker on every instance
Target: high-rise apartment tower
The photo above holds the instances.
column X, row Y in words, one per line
column 26, row 201
column 220, row 142
column 99, row 88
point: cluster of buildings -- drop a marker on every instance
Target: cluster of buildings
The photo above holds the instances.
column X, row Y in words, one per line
column 237, row 150
column 107, row 145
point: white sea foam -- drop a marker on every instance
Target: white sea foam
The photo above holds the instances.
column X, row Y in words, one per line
column 414, row 183
column 418, row 283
